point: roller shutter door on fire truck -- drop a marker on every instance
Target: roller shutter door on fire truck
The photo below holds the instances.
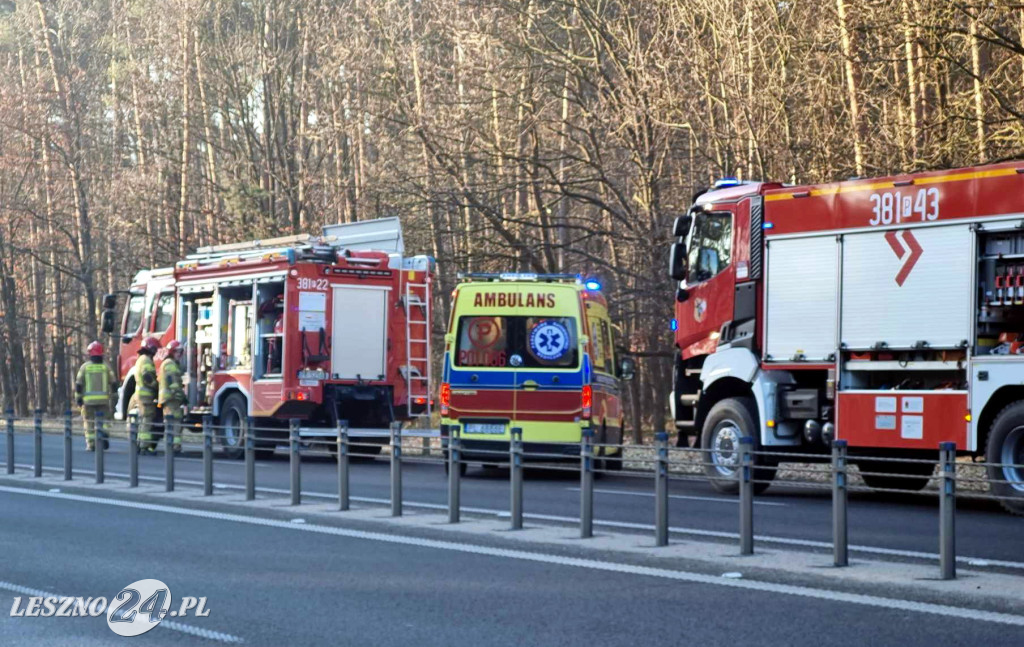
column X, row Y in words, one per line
column 902, row 287
column 359, row 324
column 801, row 301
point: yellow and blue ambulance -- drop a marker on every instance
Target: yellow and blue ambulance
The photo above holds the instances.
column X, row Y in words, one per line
column 534, row 352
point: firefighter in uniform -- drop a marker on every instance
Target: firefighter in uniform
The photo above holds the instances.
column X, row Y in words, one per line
column 93, row 387
column 172, row 392
column 146, row 392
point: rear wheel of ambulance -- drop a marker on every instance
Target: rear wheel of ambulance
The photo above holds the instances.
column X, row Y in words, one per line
column 232, row 424
column 728, row 421
column 463, row 466
column 1004, row 454
column 611, row 458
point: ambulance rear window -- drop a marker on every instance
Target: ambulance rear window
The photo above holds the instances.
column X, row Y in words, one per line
column 502, row 341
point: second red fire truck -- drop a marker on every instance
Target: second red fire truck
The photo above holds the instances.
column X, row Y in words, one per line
column 888, row 312
column 316, row 328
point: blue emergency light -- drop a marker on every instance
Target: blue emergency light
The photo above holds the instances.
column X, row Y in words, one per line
column 591, row 284
column 727, row 182
column 673, row 324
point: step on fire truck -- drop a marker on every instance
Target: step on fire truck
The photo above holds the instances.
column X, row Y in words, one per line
column 316, row 328
column 887, row 312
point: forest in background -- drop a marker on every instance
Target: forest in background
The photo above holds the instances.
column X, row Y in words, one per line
column 532, row 135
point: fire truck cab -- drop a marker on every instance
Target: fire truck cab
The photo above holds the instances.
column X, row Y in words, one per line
column 887, row 312
column 316, row 328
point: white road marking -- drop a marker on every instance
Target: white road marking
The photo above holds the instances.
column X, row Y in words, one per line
column 624, row 525
column 946, row 611
column 166, row 624
column 688, row 497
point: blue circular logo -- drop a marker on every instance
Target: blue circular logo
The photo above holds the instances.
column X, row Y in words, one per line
column 549, row 340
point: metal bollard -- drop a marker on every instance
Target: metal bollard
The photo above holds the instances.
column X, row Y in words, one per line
column 587, row 484
column 396, row 469
column 294, row 465
column 67, row 445
column 101, row 426
column 947, row 511
column 515, row 459
column 133, row 450
column 37, row 441
column 745, row 474
column 343, row 480
column 454, row 475
column 207, row 455
column 840, row 535
column 250, row 459
column 10, row 441
column 170, row 431
column 661, row 489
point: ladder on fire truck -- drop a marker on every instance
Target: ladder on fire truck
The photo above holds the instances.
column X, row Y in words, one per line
column 382, row 234
column 417, row 346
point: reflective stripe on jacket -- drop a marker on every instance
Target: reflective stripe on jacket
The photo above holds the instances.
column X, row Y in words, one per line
column 145, row 379
column 171, row 389
column 94, row 383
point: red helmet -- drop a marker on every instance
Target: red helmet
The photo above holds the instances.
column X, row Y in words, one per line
column 173, row 347
column 94, row 349
column 279, row 325
column 150, row 344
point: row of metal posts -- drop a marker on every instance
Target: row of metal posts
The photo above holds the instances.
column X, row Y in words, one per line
column 745, row 475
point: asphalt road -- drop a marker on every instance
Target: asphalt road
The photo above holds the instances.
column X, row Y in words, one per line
column 282, row 586
column 877, row 521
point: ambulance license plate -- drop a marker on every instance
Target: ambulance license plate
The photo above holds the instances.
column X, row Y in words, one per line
column 494, row 428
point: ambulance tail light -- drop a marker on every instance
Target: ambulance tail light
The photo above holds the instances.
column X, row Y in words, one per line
column 446, row 397
column 587, row 401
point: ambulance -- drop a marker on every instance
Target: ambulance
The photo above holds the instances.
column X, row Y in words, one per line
column 534, row 352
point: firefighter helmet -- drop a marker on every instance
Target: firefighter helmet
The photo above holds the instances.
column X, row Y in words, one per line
column 150, row 345
column 94, row 349
column 173, row 347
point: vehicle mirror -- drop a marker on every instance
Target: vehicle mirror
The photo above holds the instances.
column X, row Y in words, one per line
column 681, row 227
column 127, row 339
column 627, row 368
column 109, row 301
column 107, row 323
column 677, row 261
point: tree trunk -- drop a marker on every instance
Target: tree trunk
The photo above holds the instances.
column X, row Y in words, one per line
column 850, row 68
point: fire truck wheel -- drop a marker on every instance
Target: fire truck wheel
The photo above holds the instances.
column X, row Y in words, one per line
column 727, row 422
column 364, row 449
column 232, row 425
column 1005, row 455
column 897, row 476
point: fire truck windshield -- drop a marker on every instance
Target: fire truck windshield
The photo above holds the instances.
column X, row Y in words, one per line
column 709, row 245
column 133, row 314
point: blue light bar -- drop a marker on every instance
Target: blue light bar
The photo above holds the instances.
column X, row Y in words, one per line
column 591, row 284
column 726, row 182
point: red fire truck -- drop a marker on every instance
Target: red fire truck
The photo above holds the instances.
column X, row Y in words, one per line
column 318, row 328
column 888, row 312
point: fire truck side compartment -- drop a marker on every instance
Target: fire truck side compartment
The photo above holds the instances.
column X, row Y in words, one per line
column 801, row 299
